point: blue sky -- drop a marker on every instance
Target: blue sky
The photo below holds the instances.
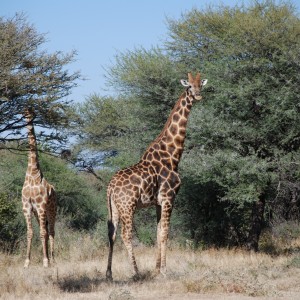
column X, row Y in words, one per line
column 98, row 30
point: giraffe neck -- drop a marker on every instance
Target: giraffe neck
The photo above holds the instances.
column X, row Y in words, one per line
column 33, row 169
column 171, row 139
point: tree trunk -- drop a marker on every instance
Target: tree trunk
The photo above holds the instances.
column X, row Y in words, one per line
column 256, row 223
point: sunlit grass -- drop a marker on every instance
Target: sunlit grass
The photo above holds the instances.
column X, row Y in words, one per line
column 80, row 274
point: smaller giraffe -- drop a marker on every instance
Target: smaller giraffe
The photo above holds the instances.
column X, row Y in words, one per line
column 154, row 180
column 38, row 197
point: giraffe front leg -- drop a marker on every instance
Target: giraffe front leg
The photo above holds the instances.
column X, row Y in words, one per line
column 44, row 239
column 164, row 231
column 29, row 238
column 127, row 239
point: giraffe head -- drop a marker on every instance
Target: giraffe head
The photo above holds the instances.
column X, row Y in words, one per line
column 194, row 85
column 29, row 114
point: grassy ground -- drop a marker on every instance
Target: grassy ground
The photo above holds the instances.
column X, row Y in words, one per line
column 209, row 274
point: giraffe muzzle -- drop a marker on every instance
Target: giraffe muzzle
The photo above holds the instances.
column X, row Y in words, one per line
column 198, row 97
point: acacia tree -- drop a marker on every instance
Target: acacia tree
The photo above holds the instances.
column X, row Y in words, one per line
column 29, row 76
column 249, row 132
column 242, row 148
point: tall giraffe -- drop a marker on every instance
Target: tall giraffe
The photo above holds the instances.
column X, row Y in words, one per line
column 38, row 197
column 152, row 181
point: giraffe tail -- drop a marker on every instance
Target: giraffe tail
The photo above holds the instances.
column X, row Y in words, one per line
column 112, row 227
column 110, row 223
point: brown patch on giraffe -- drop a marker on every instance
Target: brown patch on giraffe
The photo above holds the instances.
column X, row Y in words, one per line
column 171, row 148
column 181, row 131
column 156, row 156
column 26, row 193
column 178, row 141
column 135, row 180
column 176, row 117
column 126, row 182
column 173, row 129
column 149, row 156
column 164, row 172
column 167, row 139
column 156, row 165
column 167, row 163
column 38, row 199
column 182, row 123
column 163, row 154
column 163, row 147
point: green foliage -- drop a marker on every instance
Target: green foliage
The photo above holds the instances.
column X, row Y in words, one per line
column 80, row 205
column 243, row 139
column 109, row 127
column 11, row 226
column 29, row 76
column 145, row 231
column 248, row 126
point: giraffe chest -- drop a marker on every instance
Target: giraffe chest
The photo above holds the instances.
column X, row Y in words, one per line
column 37, row 191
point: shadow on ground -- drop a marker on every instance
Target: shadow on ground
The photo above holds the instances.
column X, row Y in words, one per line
column 87, row 284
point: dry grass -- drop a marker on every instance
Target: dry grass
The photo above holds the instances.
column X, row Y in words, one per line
column 209, row 274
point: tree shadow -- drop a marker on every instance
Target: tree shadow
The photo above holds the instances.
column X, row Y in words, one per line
column 89, row 283
column 82, row 284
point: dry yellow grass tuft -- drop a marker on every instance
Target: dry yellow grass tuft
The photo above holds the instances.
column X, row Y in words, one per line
column 209, row 274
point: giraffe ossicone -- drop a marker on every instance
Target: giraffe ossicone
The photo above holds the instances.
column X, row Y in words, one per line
column 38, row 197
column 154, row 180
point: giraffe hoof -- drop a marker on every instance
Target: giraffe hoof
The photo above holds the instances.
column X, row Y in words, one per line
column 45, row 263
column 157, row 272
column 109, row 276
column 136, row 277
column 26, row 264
column 160, row 272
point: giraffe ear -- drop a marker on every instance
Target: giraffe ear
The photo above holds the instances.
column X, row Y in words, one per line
column 184, row 82
column 203, row 82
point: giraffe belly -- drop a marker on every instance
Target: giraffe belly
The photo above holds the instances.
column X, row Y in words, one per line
column 146, row 201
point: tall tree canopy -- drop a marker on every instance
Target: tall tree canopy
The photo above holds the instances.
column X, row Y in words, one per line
column 29, row 76
column 240, row 167
column 250, row 126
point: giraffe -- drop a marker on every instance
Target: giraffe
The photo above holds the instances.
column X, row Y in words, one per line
column 38, row 197
column 154, row 180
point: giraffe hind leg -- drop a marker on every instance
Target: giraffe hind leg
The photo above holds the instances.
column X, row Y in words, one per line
column 51, row 239
column 127, row 239
column 158, row 255
column 51, row 214
column 112, row 226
